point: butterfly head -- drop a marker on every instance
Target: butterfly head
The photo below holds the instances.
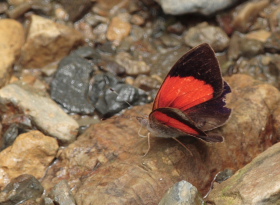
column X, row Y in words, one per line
column 144, row 121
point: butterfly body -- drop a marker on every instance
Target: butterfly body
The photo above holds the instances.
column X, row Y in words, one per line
column 191, row 99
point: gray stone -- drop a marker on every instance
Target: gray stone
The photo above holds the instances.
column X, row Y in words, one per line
column 204, row 7
column 46, row 114
column 182, row 193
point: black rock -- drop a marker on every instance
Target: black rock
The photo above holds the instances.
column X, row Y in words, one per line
column 20, row 189
column 110, row 95
column 70, row 84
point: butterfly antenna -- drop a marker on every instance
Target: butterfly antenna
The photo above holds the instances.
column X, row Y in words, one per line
column 118, row 95
column 183, row 145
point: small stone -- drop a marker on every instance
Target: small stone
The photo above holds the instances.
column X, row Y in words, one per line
column 260, row 35
column 272, row 44
column 132, row 67
column 247, row 13
column 45, row 113
column 21, row 189
column 11, row 41
column 204, row 33
column 62, row 194
column 118, row 29
column 31, row 153
column 76, row 9
column 182, row 193
column 187, row 6
column 147, row 83
column 70, row 84
column 137, row 20
column 47, row 42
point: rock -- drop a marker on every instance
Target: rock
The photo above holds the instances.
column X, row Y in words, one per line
column 260, row 35
column 45, row 113
column 194, row 6
column 112, row 149
column 11, row 40
column 31, row 153
column 182, row 193
column 132, row 67
column 109, row 95
column 274, row 19
column 256, row 183
column 204, row 33
column 17, row 2
column 70, row 84
column 21, row 189
column 76, row 9
column 62, row 194
column 118, row 29
column 147, row 82
column 246, row 14
column 272, row 44
column 240, row 45
column 47, row 42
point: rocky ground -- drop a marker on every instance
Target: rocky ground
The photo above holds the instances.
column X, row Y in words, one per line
column 75, row 74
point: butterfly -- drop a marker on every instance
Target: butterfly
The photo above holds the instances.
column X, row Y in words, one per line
column 191, row 100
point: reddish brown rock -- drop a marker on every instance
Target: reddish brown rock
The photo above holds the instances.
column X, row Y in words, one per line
column 256, row 183
column 47, row 42
column 106, row 164
column 118, row 29
column 31, row 153
column 11, row 41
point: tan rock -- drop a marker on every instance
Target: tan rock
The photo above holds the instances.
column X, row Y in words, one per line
column 109, row 155
column 256, row 183
column 18, row 2
column 47, row 42
column 118, row 29
column 11, row 41
column 31, row 153
column 260, row 35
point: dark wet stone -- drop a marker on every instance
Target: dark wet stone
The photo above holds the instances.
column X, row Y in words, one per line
column 272, row 44
column 70, row 85
column 224, row 175
column 76, row 8
column 182, row 193
column 108, row 102
column 62, row 194
column 21, row 189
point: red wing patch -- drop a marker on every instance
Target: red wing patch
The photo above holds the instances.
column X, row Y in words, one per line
column 174, row 123
column 183, row 93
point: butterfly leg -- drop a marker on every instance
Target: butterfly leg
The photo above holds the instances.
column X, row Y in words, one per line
column 149, row 145
column 183, row 145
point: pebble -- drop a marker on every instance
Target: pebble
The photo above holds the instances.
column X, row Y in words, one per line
column 70, row 85
column 110, row 95
column 61, row 193
column 76, row 9
column 194, row 6
column 31, row 153
column 118, row 29
column 183, row 193
column 47, row 42
column 247, row 13
column 11, row 40
column 132, row 67
column 21, row 189
column 204, row 33
column 45, row 113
